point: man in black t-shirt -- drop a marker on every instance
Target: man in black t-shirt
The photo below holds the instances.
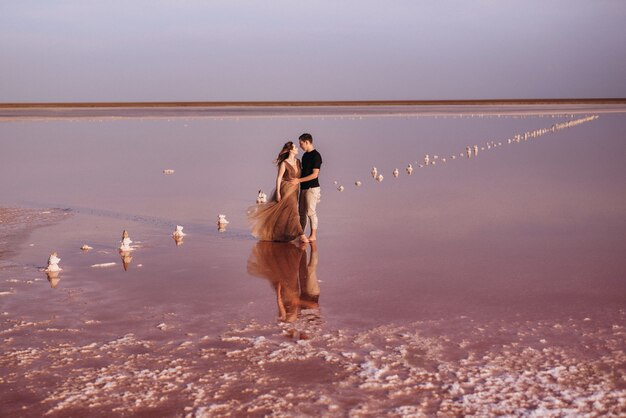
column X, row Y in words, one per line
column 309, row 184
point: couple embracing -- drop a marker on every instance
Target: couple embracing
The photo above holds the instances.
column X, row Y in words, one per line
column 294, row 202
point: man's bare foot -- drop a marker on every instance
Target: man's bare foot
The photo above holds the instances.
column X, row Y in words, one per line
column 312, row 238
column 304, row 239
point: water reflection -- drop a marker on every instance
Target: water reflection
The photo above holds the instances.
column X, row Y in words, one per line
column 178, row 239
column 292, row 272
column 53, row 278
column 127, row 257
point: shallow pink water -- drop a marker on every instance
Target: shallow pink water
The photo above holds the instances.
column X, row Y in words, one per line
column 494, row 254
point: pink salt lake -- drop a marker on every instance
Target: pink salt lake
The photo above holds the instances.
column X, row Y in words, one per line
column 469, row 287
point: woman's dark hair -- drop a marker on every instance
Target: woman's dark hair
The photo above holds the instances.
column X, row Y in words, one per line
column 284, row 153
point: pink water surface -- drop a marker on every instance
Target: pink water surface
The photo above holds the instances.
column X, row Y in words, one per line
column 519, row 248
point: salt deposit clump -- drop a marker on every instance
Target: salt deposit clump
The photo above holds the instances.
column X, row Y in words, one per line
column 374, row 172
column 53, row 263
column 357, row 183
column 221, row 223
column 426, row 160
column 396, row 173
column 126, row 241
column 179, row 231
column 379, row 177
column 261, row 198
column 409, row 169
column 340, row 188
column 86, row 247
column 103, row 265
column 168, row 171
column 178, row 235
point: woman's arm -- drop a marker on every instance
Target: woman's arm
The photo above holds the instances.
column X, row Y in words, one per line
column 279, row 178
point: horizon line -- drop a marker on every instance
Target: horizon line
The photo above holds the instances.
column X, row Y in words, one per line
column 308, row 103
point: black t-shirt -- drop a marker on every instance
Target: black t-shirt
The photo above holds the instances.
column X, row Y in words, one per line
column 310, row 160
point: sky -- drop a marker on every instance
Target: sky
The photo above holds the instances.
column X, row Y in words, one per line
column 235, row 50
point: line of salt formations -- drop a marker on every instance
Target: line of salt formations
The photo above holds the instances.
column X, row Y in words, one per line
column 471, row 151
column 125, row 251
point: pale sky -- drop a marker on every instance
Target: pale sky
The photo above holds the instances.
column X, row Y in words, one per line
column 149, row 50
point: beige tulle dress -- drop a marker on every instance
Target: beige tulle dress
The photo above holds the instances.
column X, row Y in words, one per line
column 279, row 221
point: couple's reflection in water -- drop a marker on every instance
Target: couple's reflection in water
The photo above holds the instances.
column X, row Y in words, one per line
column 292, row 272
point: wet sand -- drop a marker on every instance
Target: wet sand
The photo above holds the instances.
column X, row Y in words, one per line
column 477, row 286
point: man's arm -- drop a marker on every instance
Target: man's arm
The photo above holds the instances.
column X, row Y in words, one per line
column 316, row 172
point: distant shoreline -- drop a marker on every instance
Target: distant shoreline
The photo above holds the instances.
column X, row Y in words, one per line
column 20, row 112
column 338, row 103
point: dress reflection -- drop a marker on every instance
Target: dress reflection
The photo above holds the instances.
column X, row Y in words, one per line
column 292, row 272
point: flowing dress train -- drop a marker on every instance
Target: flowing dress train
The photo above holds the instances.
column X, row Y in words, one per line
column 279, row 221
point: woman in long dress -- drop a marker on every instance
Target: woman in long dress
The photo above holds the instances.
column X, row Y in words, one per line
column 279, row 220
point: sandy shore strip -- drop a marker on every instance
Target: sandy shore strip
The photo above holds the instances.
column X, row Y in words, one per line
column 334, row 103
column 16, row 112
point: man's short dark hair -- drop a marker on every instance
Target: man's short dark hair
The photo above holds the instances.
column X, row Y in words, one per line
column 306, row 138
